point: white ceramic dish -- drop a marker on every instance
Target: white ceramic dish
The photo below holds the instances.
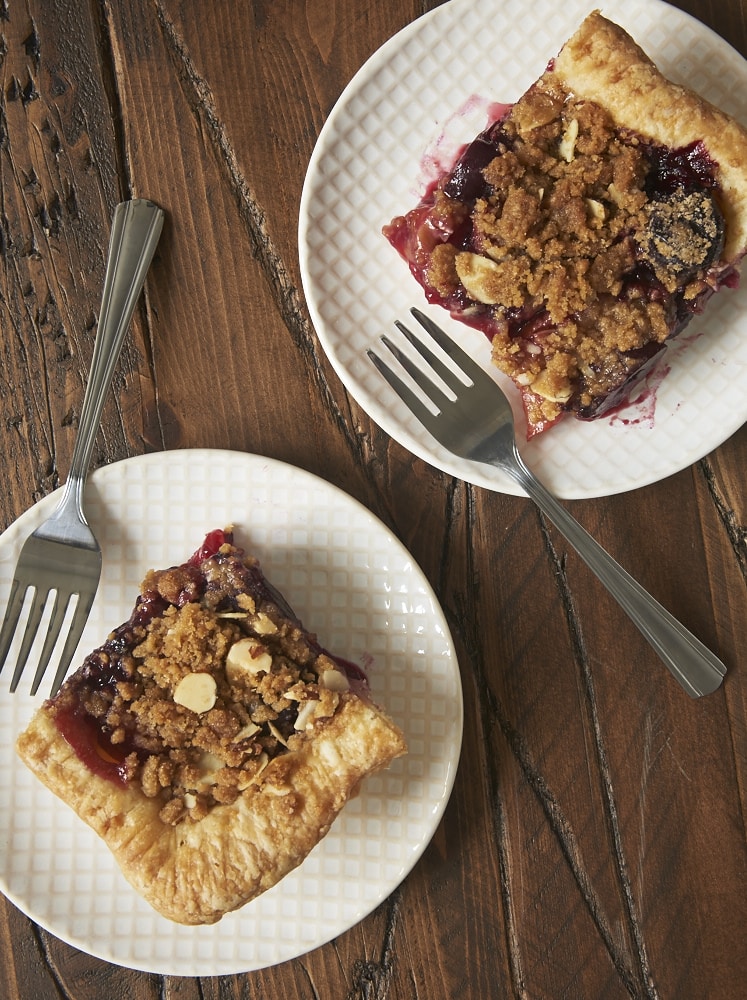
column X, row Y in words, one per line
column 349, row 580
column 404, row 114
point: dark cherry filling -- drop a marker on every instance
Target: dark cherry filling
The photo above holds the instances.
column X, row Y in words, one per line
column 672, row 174
column 689, row 167
column 102, row 669
column 466, row 182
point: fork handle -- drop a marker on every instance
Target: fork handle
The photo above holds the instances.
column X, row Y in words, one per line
column 136, row 228
column 696, row 668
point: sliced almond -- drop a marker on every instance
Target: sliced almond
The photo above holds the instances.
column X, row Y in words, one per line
column 246, row 733
column 478, row 275
column 209, row 762
column 276, row 790
column 245, row 658
column 334, row 680
column 250, row 775
column 306, row 714
column 264, row 625
column 277, row 734
column 550, row 391
column 197, row 692
column 596, row 209
column 567, row 148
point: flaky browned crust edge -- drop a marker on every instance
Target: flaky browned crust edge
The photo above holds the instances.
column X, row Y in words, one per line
column 603, row 63
column 194, row 873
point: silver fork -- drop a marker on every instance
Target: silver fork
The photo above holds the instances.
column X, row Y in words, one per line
column 61, row 559
column 477, row 424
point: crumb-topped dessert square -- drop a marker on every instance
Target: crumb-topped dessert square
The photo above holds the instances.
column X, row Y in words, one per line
column 210, row 740
column 585, row 228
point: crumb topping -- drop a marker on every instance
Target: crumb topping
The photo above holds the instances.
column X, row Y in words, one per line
column 573, row 256
column 198, row 699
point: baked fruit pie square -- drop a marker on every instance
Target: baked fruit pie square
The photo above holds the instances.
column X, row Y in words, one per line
column 584, row 228
column 210, row 741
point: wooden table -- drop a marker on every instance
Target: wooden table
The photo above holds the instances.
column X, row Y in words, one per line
column 594, row 845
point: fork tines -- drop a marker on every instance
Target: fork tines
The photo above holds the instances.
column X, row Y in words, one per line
column 61, row 605
column 63, row 596
column 472, row 373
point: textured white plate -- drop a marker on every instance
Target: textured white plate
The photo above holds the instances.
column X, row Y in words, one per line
column 424, row 93
column 350, row 581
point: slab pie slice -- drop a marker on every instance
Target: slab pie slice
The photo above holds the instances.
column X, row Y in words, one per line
column 210, row 740
column 584, row 228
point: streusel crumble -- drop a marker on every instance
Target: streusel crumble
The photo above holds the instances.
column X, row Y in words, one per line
column 192, row 702
column 211, row 739
column 577, row 232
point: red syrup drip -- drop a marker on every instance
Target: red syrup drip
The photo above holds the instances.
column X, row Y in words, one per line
column 639, row 412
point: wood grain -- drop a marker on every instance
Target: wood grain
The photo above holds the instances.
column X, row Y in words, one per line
column 594, row 846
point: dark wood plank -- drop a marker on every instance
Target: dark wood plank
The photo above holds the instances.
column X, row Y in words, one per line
column 59, row 186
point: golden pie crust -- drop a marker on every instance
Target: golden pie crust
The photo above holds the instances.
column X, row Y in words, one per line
column 196, row 873
column 197, row 844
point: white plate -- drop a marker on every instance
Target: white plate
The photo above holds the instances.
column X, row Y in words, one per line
column 425, row 92
column 350, row 581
